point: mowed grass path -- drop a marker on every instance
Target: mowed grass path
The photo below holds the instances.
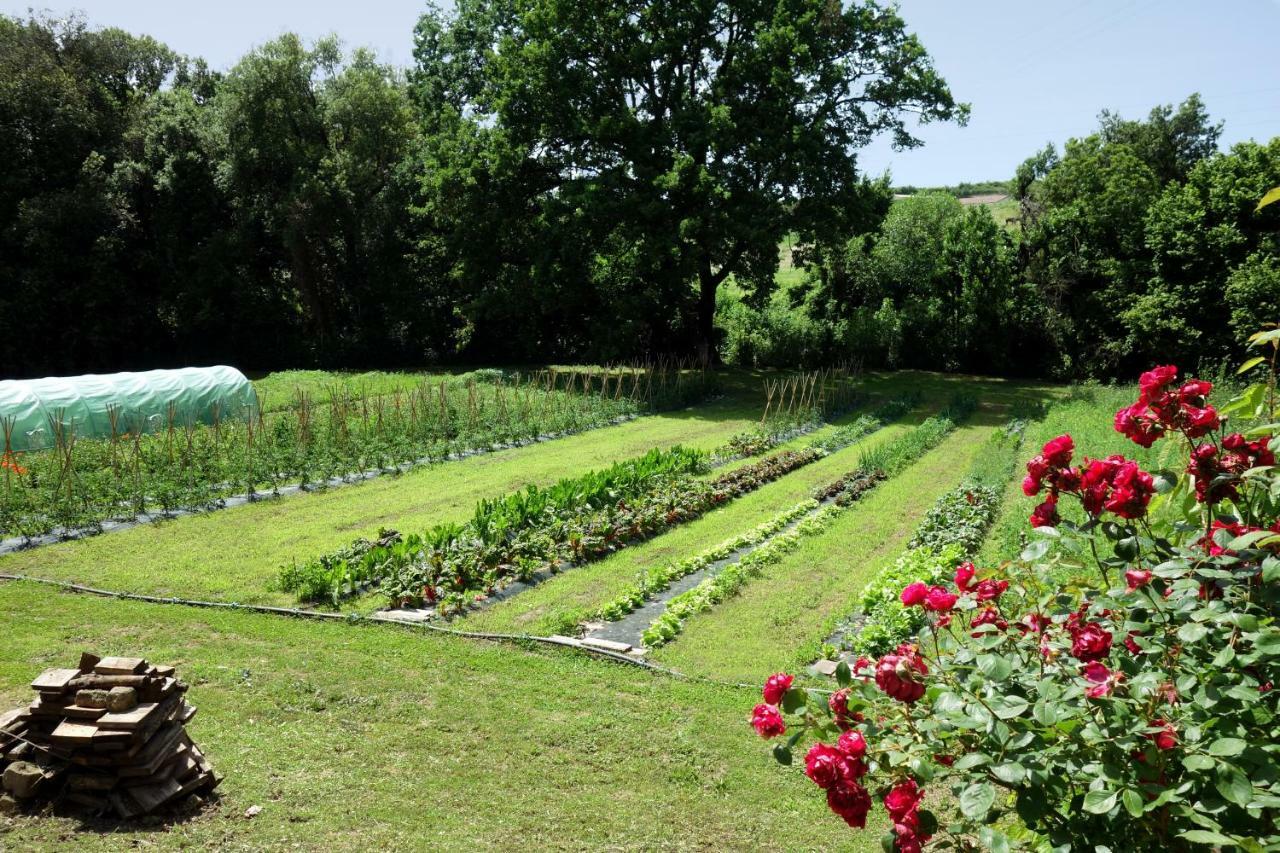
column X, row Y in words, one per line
column 356, row 737
column 779, row 620
column 560, row 604
column 235, row 554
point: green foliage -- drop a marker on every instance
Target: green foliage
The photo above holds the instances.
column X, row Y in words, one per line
column 1137, row 704
column 949, row 533
column 665, row 184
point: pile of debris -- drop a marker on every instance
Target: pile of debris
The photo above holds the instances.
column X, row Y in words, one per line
column 108, row 735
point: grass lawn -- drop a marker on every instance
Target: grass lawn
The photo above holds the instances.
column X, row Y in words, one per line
column 364, row 737
column 779, row 620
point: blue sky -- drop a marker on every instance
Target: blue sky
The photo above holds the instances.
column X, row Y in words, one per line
column 1034, row 71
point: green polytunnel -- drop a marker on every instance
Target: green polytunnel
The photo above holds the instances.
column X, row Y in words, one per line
column 32, row 409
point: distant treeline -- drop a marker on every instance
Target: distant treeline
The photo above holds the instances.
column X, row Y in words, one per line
column 1138, row 244
column 960, row 190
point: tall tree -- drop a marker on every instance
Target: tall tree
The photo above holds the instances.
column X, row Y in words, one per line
column 690, row 134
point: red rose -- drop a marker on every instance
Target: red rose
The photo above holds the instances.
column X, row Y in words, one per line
column 1199, row 421
column 1038, row 468
column 1167, row 736
column 1131, row 644
column 903, row 799
column 851, row 801
column 1030, row 486
column 1139, row 423
column 822, row 764
column 964, row 576
column 989, row 616
column 1101, row 679
column 939, row 600
column 908, row 838
column 1195, row 391
column 852, row 744
column 1057, row 451
column 899, row 675
column 776, row 685
column 945, row 760
column 839, row 702
column 1036, row 622
column 1046, row 514
column 1091, row 642
column 767, row 721
column 914, row 594
column 991, row 590
column 1067, row 480
column 1137, row 578
column 1153, row 383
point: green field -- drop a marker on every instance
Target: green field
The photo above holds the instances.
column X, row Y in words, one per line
column 352, row 735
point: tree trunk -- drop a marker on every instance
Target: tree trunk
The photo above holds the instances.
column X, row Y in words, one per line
column 707, row 284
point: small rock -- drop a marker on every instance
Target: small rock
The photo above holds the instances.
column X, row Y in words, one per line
column 253, row 811
column 8, row 805
column 22, row 779
column 825, row 667
column 121, row 699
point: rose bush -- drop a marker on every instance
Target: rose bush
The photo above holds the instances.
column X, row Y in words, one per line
column 1136, row 712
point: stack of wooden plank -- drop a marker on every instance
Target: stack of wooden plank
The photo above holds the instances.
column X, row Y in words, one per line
column 109, row 734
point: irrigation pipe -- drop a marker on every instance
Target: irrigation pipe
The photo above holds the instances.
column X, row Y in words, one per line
column 353, row 618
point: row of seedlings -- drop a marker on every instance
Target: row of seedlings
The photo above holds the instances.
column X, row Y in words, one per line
column 950, row 534
column 525, row 534
column 874, row 466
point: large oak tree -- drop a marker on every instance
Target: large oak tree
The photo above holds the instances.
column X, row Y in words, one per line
column 687, row 137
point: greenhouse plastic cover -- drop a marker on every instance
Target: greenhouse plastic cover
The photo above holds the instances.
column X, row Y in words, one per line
column 142, row 400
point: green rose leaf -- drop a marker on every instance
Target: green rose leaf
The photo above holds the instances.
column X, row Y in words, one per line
column 971, row 760
column 994, row 667
column 976, row 800
column 1010, row 706
column 1232, row 784
column 782, row 753
column 843, row 676
column 1132, row 801
column 1227, row 746
column 1045, row 713
column 1192, row 632
column 1011, row 772
column 793, row 700
column 993, row 840
column 1204, row 836
column 1099, row 802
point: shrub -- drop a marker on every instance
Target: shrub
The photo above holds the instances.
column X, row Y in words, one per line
column 1136, row 710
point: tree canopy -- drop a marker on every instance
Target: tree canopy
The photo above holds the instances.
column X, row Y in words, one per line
column 684, row 139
